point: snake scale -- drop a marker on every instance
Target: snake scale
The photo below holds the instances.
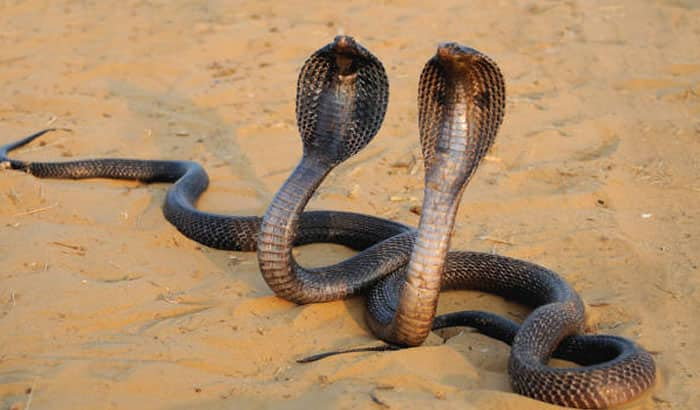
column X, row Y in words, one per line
column 342, row 95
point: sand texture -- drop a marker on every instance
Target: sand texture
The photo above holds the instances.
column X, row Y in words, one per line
column 104, row 305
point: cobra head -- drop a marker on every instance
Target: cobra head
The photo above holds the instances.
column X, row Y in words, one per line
column 461, row 101
column 342, row 95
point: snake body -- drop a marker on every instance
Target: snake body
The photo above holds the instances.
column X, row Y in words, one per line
column 341, row 100
column 235, row 233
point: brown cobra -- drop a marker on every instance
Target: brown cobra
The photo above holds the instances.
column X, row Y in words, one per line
column 461, row 104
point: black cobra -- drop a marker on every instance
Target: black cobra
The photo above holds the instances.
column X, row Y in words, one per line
column 341, row 101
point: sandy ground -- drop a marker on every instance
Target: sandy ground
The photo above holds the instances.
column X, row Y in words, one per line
column 103, row 304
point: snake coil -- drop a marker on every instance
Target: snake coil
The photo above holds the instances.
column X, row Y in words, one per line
column 342, row 95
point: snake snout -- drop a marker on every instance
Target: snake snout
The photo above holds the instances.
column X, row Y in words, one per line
column 342, row 95
column 455, row 52
column 346, row 45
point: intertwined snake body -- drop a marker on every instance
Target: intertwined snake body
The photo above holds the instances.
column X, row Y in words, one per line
column 341, row 101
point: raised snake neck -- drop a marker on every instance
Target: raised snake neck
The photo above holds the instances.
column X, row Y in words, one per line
column 341, row 100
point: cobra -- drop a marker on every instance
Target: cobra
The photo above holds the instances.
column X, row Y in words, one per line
column 341, row 101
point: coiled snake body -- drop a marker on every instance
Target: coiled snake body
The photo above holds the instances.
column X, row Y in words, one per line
column 341, row 101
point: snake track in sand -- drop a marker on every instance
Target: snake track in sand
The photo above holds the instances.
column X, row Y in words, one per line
column 341, row 101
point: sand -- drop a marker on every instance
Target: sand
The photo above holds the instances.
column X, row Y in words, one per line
column 103, row 304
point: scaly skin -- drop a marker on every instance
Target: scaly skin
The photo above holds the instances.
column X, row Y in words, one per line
column 341, row 101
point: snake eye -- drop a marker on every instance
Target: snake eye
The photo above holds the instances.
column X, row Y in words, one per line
column 342, row 95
